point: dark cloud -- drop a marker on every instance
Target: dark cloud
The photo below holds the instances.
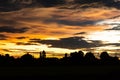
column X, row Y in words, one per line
column 114, row 44
column 49, row 3
column 7, row 22
column 21, row 37
column 116, row 24
column 107, row 3
column 11, row 29
column 12, row 5
column 3, row 37
column 35, row 40
column 69, row 43
column 22, row 43
column 81, row 33
column 5, row 6
column 86, row 1
column 115, row 28
column 71, row 23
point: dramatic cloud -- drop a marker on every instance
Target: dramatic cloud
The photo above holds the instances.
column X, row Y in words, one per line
column 50, row 24
column 69, row 43
column 10, row 29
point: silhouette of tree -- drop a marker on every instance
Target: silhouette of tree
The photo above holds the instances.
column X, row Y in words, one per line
column 105, row 58
column 43, row 54
column 115, row 60
column 66, row 55
column 90, row 58
column 27, row 59
column 81, row 54
column 75, row 58
column 65, row 60
column 8, row 60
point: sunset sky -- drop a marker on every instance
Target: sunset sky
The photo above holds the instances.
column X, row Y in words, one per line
column 59, row 26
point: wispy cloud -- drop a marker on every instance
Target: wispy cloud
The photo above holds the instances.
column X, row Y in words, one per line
column 11, row 29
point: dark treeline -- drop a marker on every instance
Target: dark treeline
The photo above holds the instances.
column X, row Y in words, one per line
column 75, row 58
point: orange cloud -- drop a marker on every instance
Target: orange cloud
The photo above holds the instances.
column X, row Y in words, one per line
column 51, row 23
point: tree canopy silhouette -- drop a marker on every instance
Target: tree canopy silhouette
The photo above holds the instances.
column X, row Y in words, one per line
column 75, row 58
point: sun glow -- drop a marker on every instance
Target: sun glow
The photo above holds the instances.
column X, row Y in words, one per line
column 106, row 36
column 18, row 50
column 51, row 38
